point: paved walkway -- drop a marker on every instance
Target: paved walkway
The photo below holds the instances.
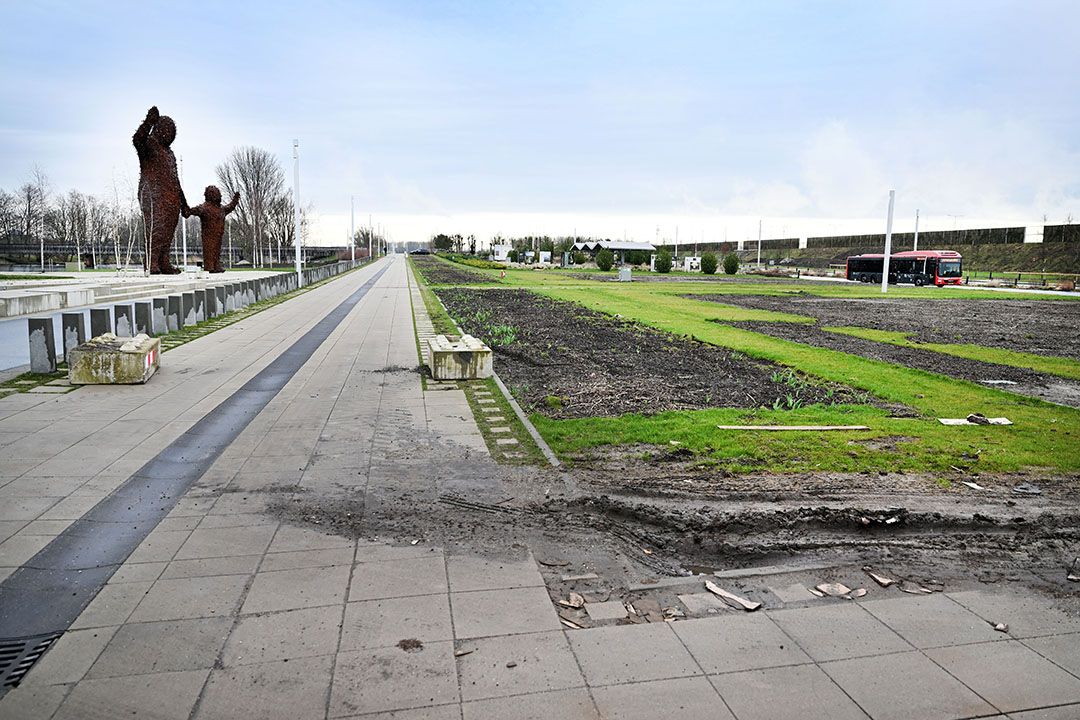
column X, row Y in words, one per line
column 228, row 610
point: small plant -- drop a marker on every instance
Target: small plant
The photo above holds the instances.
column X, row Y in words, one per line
column 554, row 402
column 663, row 261
column 731, row 263
column 500, row 335
column 579, row 258
column 605, row 259
column 708, row 263
column 512, row 256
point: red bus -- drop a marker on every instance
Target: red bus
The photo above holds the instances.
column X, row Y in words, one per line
column 920, row 267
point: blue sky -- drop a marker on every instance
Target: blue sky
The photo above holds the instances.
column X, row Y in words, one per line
column 605, row 117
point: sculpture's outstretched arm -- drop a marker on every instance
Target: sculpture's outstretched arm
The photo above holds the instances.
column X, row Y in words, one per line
column 143, row 133
column 185, row 210
column 232, row 205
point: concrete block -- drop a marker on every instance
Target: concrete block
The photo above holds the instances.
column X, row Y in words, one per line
column 198, row 304
column 109, row 360
column 211, row 303
column 125, row 320
column 458, row 359
column 42, row 345
column 100, row 321
column 221, row 295
column 249, row 292
column 175, row 316
column 187, row 308
column 73, row 327
column 144, row 310
column 159, row 324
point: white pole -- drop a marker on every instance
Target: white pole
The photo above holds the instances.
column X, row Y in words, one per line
column 759, row 243
column 370, row 239
column 183, row 220
column 352, row 226
column 230, row 245
column 916, row 246
column 888, row 245
column 296, row 209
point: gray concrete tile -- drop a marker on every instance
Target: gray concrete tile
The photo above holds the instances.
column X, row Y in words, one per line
column 786, row 693
column 138, row 648
column 1009, row 675
column 208, row 567
column 836, row 631
column 631, row 653
column 291, row 538
column 692, row 698
column 436, row 712
column 932, row 620
column 380, row 552
column 32, row 702
column 226, row 542
column 383, row 679
column 557, row 705
column 293, row 690
column 70, row 657
column 285, row 635
column 517, row 664
column 137, row 572
column 112, row 605
column 307, row 558
column 384, row 623
column 183, row 598
column 292, row 589
column 238, row 520
column 398, row 578
column 905, row 686
column 16, row 550
column 503, row 612
column 159, row 546
column 161, row 696
column 1061, row 712
column 1025, row 616
column 738, row 642
column 1063, row 650
column 470, row 572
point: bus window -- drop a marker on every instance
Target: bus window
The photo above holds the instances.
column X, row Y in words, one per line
column 949, row 268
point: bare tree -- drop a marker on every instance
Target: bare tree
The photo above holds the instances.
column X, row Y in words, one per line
column 257, row 175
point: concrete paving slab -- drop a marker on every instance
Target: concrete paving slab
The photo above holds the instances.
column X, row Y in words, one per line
column 398, row 578
column 113, row 605
column 1061, row 712
column 384, row 679
column 738, row 642
column 557, row 705
column 837, row 631
column 183, row 598
column 138, row 648
column 786, row 693
column 308, row 632
column 225, row 542
column 70, row 656
column 485, row 613
column 906, row 685
column 632, row 653
column 517, row 664
column 307, row 558
column 169, row 696
column 300, row 588
column 385, row 623
column 477, row 573
column 932, row 621
column 1009, row 675
column 1062, row 650
column 209, row 567
column 1026, row 617
column 294, row 690
column 692, row 698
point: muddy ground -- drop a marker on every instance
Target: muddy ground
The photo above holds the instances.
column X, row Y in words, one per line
column 1042, row 327
column 568, row 362
column 437, row 272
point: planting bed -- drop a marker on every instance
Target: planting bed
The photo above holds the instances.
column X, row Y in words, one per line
column 1041, row 327
column 567, row 361
column 439, row 272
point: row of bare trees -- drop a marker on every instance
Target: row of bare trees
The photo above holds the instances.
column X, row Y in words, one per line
column 99, row 229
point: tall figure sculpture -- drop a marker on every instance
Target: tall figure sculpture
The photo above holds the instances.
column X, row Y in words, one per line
column 160, row 195
column 211, row 215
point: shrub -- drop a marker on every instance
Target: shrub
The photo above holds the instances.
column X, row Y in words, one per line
column 605, row 259
column 708, row 263
column 512, row 256
column 663, row 262
column 637, row 257
column 731, row 263
column 579, row 258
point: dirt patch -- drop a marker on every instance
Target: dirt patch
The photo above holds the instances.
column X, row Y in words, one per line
column 1041, row 327
column 1017, row 380
column 411, row 645
column 567, row 361
column 439, row 272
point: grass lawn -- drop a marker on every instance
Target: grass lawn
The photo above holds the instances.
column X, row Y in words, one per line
column 1044, row 436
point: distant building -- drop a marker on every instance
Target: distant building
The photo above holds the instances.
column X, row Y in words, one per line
column 619, row 247
column 500, row 253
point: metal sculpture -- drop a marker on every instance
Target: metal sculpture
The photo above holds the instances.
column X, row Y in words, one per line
column 160, row 194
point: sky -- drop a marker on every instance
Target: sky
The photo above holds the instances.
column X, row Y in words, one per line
column 635, row 119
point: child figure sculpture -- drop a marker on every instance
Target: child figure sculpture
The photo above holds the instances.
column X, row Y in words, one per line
column 211, row 216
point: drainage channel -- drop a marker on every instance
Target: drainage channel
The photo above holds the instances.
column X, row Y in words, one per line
column 40, row 600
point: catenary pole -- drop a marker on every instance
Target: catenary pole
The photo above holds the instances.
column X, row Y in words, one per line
column 916, row 245
column 759, row 242
column 296, row 210
column 888, row 245
column 352, row 226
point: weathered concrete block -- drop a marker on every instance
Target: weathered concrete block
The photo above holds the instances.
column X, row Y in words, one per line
column 144, row 311
column 109, row 360
column 211, row 303
column 200, row 304
column 249, row 292
column 221, row 296
column 175, row 315
column 159, row 324
column 125, row 320
column 73, row 328
column 464, row 359
column 187, row 308
column 100, row 321
column 42, row 345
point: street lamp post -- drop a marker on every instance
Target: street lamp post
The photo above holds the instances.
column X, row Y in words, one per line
column 352, row 227
column 296, row 210
column 888, row 245
column 916, row 245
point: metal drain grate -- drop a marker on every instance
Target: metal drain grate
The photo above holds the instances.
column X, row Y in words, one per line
column 18, row 655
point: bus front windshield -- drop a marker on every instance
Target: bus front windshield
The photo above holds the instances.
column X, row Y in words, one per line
column 949, row 268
